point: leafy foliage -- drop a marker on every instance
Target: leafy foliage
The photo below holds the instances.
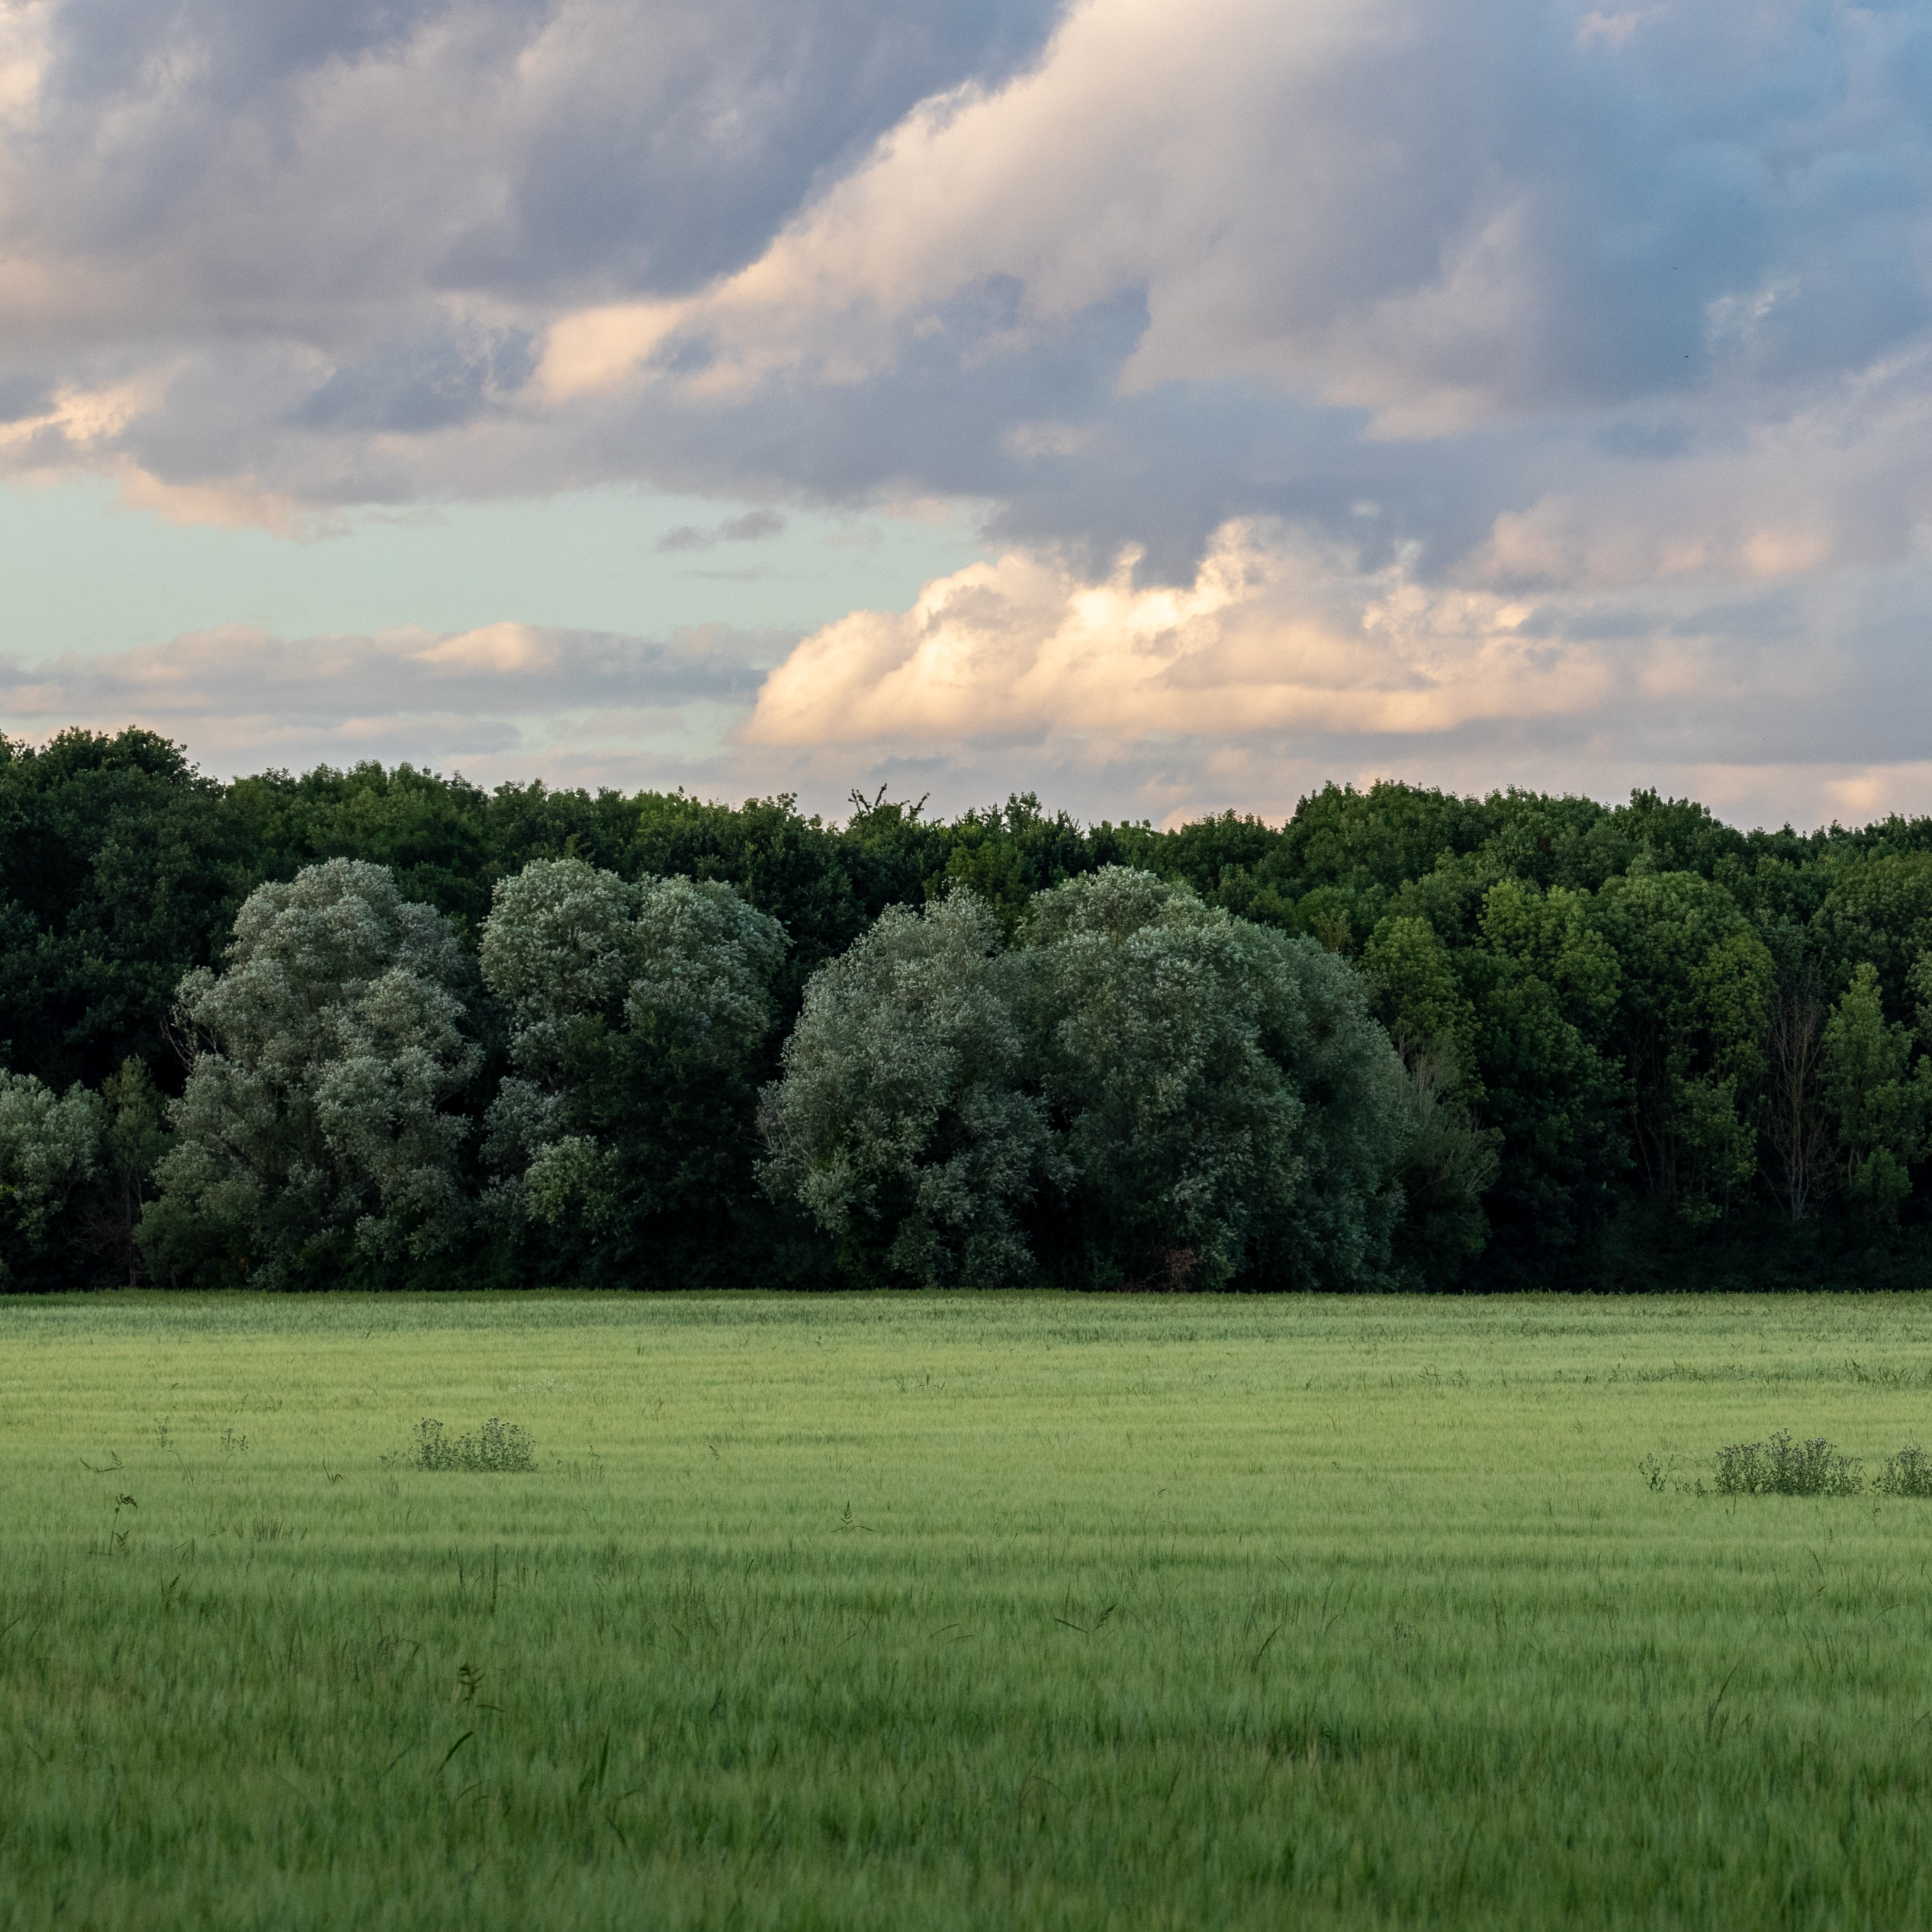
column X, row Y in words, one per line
column 903, row 1124
column 1226, row 1107
column 637, row 1011
column 1693, row 987
column 1157, row 1093
column 498, row 1447
column 1909, row 1472
column 1781, row 1467
column 49, row 1150
column 313, row 1133
column 119, row 869
column 1636, row 1046
column 1881, row 1115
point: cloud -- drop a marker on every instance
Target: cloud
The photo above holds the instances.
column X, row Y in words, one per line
column 746, row 528
column 1439, row 217
column 1284, row 664
column 506, row 700
column 1355, row 383
column 1271, row 636
column 513, row 647
column 326, row 236
column 390, row 147
column 364, row 254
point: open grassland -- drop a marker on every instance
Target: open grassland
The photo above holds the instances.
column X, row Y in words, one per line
column 958, row 1611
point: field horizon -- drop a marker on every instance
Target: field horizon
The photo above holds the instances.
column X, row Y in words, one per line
column 958, row 1610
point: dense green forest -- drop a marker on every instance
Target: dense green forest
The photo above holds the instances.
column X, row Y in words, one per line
column 383, row 1027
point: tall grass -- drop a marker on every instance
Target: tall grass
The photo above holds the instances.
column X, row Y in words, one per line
column 957, row 1612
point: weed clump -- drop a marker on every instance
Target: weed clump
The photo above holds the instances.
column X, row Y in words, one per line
column 1909, row 1472
column 497, row 1446
column 1781, row 1467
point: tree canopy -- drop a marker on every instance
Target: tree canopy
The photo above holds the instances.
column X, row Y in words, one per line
column 382, row 1024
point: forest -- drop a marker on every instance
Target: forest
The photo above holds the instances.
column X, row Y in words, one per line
column 382, row 1028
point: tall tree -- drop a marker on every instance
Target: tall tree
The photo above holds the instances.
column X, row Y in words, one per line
column 314, row 1140
column 120, row 868
column 903, row 1124
column 637, row 1010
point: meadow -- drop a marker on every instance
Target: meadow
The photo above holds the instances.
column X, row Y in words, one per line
column 952, row 1610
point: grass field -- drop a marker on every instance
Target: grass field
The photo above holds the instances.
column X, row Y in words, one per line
column 957, row 1611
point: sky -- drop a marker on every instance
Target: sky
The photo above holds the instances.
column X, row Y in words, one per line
column 1161, row 409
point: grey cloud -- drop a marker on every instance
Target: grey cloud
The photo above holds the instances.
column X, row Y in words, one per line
column 110, row 47
column 748, row 528
column 1650, row 183
column 419, row 387
column 247, row 698
column 22, row 396
column 289, row 156
column 699, row 131
column 1775, row 616
column 1651, row 287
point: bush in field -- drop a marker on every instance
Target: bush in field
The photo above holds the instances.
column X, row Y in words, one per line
column 901, row 1125
column 637, row 1009
column 1144, row 1092
column 1223, row 1105
column 1909, row 1472
column 503, row 1449
column 1781, row 1467
column 312, row 1136
column 50, row 1151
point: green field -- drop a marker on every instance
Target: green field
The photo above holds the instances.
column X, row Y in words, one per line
column 957, row 1611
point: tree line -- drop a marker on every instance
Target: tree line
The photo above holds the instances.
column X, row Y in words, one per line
column 385, row 1028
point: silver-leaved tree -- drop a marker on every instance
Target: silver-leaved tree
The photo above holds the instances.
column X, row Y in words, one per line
column 1142, row 1091
column 49, row 1150
column 903, row 1124
column 314, row 1137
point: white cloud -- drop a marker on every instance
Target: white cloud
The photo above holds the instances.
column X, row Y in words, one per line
column 1284, row 664
column 1271, row 636
column 493, row 647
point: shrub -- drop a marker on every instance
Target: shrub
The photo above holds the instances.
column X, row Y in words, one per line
column 1781, row 1467
column 1909, row 1472
column 497, row 1447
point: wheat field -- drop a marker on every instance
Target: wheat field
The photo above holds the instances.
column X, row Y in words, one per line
column 957, row 1611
